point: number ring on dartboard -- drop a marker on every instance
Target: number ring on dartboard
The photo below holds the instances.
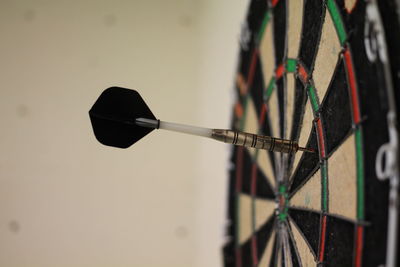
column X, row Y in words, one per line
column 312, row 71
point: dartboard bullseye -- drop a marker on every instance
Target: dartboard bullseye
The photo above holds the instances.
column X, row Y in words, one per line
column 320, row 73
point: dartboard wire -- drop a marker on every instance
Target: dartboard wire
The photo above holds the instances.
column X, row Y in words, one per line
column 359, row 154
column 286, row 66
column 310, row 88
column 261, row 116
column 271, row 85
column 290, row 233
column 301, row 70
column 254, row 158
column 278, row 241
column 323, row 166
column 356, row 112
column 286, row 246
column 250, row 77
column 290, row 237
column 290, row 65
column 280, row 71
column 303, row 74
column 304, row 237
column 323, row 163
column 337, row 216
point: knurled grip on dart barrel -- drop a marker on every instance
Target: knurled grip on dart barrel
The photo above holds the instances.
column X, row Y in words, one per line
column 255, row 141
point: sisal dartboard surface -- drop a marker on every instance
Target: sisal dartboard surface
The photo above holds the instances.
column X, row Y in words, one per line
column 309, row 70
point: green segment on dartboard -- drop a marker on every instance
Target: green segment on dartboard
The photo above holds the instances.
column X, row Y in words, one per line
column 360, row 174
column 337, row 20
column 242, row 120
column 270, row 88
column 291, row 65
column 313, row 98
column 324, row 176
column 283, row 207
column 263, row 26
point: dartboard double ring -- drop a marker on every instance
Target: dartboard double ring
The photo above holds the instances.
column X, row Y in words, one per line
column 318, row 72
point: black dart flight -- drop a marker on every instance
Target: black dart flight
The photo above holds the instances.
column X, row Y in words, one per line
column 113, row 117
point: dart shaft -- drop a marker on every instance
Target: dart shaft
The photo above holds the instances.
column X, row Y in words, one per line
column 255, row 141
column 228, row 136
column 176, row 127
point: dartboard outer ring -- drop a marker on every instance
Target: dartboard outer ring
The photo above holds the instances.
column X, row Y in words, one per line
column 323, row 73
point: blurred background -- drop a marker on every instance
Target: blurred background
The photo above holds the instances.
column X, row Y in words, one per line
column 67, row 200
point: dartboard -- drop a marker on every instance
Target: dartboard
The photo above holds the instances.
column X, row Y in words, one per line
column 322, row 73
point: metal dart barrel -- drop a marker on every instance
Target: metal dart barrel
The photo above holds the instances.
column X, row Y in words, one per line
column 257, row 141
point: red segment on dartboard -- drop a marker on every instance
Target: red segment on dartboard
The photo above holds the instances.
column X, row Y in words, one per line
column 239, row 169
column 322, row 239
column 254, row 250
column 279, row 71
column 321, row 140
column 359, row 245
column 302, row 73
column 252, row 69
column 353, row 86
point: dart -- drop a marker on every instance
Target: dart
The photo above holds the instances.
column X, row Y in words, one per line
column 120, row 118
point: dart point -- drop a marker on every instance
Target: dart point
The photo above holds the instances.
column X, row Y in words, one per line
column 309, row 150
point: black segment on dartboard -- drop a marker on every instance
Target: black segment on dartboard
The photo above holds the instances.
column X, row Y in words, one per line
column 279, row 32
column 257, row 89
column 313, row 17
column 263, row 188
column 113, row 117
column 264, row 235
column 339, row 243
column 280, row 90
column 254, row 20
column 307, row 166
column 308, row 223
column 229, row 254
column 231, row 226
column 247, row 169
column 335, row 110
column 246, row 253
column 255, row 16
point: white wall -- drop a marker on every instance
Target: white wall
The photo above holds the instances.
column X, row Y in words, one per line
column 66, row 200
